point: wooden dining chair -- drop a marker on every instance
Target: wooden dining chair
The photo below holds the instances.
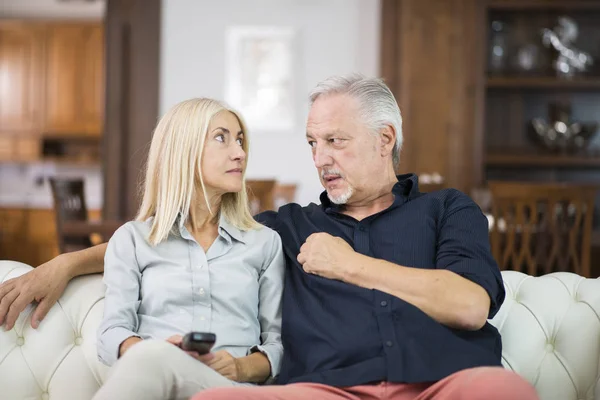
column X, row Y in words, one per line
column 541, row 228
column 69, row 205
column 261, row 194
column 284, row 194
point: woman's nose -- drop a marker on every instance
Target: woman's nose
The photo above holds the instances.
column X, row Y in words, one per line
column 239, row 153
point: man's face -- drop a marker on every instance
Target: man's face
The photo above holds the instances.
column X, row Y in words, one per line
column 344, row 151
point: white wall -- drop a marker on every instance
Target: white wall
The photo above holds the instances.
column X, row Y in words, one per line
column 334, row 37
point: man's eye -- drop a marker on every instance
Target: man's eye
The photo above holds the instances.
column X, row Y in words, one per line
column 312, row 143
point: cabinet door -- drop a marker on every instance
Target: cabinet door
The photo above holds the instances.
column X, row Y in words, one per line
column 92, row 111
column 21, row 78
column 75, row 83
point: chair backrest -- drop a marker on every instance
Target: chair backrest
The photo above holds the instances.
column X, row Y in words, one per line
column 69, row 205
column 284, row 194
column 541, row 228
column 261, row 194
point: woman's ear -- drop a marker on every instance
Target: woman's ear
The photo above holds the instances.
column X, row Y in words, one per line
column 387, row 136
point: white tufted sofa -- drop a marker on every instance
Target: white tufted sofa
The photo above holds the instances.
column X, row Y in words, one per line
column 550, row 331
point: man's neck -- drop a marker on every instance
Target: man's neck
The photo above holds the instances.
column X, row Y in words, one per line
column 371, row 205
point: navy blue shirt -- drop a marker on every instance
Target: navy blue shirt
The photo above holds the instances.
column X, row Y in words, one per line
column 340, row 334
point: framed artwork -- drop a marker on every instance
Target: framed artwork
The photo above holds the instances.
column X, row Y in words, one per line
column 259, row 78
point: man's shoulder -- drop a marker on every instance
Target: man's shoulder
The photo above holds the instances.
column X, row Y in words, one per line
column 285, row 213
column 448, row 199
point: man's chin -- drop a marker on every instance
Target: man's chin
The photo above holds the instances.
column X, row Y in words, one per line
column 339, row 198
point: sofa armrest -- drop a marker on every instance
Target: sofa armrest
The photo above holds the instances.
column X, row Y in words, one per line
column 550, row 327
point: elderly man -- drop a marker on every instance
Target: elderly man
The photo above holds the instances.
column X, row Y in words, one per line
column 388, row 290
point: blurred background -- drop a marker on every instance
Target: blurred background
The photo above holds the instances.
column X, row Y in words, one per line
column 500, row 99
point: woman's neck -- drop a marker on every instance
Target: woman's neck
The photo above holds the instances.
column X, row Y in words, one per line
column 200, row 217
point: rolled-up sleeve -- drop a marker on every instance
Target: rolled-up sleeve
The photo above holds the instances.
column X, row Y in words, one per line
column 464, row 248
column 122, row 299
column 269, row 308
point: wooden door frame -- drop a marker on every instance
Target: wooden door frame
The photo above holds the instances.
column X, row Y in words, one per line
column 132, row 35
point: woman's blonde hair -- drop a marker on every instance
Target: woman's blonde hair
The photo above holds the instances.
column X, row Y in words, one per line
column 174, row 170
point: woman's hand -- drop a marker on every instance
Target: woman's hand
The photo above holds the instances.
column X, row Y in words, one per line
column 127, row 343
column 224, row 363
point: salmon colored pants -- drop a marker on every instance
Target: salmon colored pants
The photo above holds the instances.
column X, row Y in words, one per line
column 483, row 383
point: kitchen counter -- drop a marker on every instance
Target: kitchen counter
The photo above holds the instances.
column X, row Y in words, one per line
column 37, row 201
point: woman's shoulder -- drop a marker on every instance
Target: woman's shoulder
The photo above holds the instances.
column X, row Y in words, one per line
column 133, row 229
column 261, row 235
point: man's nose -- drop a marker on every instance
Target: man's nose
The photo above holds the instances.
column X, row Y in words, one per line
column 321, row 157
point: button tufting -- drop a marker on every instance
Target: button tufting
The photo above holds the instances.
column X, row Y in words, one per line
column 78, row 341
column 20, row 341
column 45, row 396
column 549, row 347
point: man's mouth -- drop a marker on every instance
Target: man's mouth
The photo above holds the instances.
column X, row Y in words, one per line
column 331, row 178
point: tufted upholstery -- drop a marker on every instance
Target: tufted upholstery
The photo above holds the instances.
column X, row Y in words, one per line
column 57, row 361
column 550, row 328
column 550, row 331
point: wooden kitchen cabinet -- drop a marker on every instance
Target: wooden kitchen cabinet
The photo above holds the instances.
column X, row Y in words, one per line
column 51, row 84
column 74, row 80
column 21, row 78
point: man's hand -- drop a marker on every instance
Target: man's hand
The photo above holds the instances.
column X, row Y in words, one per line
column 44, row 285
column 326, row 256
column 224, row 363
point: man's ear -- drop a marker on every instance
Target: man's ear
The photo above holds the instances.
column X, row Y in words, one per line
column 387, row 136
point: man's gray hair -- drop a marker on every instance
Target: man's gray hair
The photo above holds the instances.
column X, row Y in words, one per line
column 378, row 105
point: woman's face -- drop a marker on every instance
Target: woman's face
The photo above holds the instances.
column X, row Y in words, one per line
column 223, row 159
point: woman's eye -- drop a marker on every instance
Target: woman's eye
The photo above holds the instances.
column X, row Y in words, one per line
column 220, row 138
column 240, row 141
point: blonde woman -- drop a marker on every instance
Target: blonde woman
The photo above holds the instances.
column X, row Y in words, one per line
column 193, row 260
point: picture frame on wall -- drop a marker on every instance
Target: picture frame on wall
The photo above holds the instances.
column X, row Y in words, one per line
column 259, row 77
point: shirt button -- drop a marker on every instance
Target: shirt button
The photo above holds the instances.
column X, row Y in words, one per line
column 201, row 291
column 383, row 303
column 201, row 318
column 361, row 228
column 389, row 343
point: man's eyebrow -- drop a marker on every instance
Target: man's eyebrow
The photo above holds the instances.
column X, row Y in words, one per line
column 328, row 134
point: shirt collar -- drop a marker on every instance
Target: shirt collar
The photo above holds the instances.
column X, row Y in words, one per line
column 405, row 189
column 230, row 229
column 226, row 229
